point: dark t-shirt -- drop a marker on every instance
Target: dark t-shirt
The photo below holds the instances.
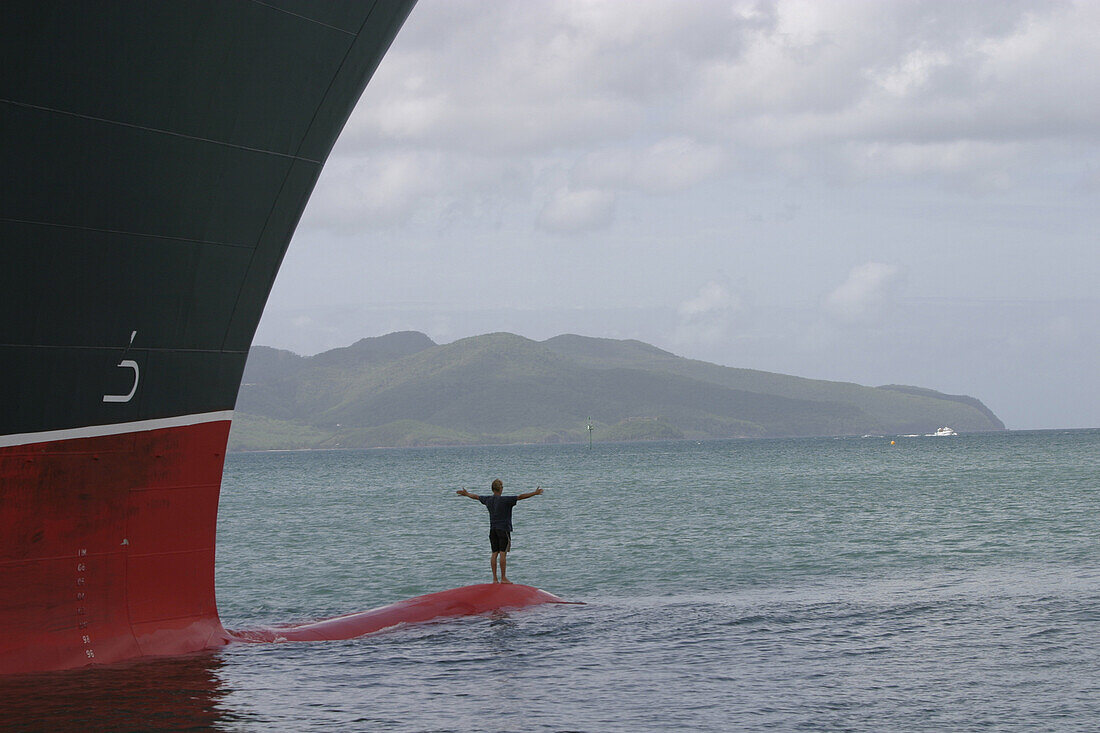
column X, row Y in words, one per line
column 500, row 510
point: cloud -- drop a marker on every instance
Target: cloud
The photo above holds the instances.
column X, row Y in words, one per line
column 373, row 190
column 711, row 298
column 570, row 211
column 866, row 292
column 365, row 192
column 707, row 318
column 911, row 75
column 672, row 164
column 978, row 165
column 660, row 95
column 519, row 77
column 817, row 85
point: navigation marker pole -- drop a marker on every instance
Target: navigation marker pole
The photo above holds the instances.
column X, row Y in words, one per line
column 590, row 433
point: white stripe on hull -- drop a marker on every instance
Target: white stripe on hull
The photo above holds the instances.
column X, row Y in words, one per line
column 95, row 431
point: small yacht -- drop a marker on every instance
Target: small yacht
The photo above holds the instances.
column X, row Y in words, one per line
column 944, row 431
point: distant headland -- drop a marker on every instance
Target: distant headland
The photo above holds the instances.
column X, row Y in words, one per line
column 403, row 389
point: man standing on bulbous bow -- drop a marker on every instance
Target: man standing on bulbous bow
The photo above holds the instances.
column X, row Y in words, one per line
column 500, row 524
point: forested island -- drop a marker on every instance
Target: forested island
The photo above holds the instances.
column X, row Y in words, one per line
column 403, row 389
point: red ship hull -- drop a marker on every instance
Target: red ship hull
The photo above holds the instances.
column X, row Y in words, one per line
column 140, row 579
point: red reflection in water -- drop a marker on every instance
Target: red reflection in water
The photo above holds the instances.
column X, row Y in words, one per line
column 178, row 693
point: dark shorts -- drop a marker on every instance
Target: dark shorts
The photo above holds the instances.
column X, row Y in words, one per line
column 500, row 540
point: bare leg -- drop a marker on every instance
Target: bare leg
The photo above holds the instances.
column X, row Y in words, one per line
column 503, row 568
column 493, row 564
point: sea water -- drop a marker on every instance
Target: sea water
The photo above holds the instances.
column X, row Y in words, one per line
column 947, row 583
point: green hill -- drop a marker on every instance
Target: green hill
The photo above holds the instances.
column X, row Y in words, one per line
column 403, row 389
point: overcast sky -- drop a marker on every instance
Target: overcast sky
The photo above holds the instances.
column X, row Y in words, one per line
column 877, row 192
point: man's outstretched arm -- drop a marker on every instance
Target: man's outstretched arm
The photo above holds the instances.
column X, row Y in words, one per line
column 529, row 494
column 464, row 492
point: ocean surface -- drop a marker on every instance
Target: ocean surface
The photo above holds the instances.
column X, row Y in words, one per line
column 817, row 584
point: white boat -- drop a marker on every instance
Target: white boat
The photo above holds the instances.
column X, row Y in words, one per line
column 944, row 431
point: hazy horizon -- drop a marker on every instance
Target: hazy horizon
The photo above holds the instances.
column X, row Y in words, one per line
column 867, row 192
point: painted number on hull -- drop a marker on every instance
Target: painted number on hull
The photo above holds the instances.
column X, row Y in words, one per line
column 81, row 612
column 126, row 364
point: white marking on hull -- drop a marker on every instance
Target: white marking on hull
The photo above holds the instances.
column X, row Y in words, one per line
column 129, row 364
column 126, row 364
column 95, row 431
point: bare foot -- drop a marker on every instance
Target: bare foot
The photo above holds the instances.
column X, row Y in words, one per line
column 505, row 580
column 495, row 580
